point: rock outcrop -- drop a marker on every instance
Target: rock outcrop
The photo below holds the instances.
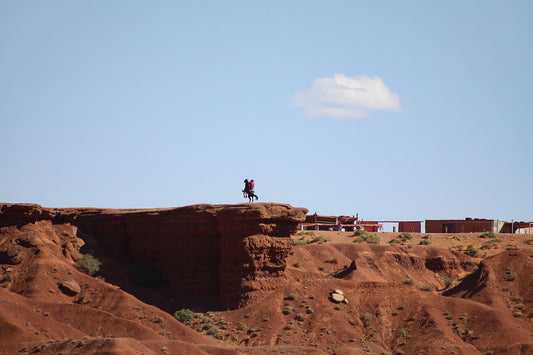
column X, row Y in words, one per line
column 206, row 254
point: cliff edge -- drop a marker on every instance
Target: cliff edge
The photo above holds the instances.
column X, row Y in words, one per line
column 215, row 255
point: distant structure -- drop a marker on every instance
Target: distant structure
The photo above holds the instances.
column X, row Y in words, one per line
column 468, row 225
column 345, row 223
column 477, row 225
column 340, row 223
column 410, row 227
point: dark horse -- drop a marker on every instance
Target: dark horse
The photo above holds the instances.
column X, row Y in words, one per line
column 250, row 194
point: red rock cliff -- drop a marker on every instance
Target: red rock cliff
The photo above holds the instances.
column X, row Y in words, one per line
column 219, row 254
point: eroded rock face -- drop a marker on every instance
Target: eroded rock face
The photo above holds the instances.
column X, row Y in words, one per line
column 210, row 254
column 23, row 213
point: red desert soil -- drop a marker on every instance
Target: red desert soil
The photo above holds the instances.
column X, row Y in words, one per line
column 438, row 294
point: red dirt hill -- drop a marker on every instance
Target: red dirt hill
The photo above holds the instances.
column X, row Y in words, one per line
column 251, row 289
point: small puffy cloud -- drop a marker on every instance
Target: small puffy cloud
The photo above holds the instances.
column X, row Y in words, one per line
column 346, row 97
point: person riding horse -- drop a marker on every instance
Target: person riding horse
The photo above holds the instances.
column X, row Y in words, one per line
column 249, row 190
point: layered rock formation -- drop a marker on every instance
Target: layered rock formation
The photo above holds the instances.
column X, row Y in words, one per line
column 207, row 254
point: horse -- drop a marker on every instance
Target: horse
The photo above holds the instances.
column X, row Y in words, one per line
column 250, row 195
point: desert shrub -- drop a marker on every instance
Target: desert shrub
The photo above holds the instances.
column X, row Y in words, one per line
column 394, row 241
column 529, row 242
column 425, row 242
column 401, row 333
column 373, row 239
column 427, row 288
column 292, row 296
column 448, row 281
column 90, row 264
column 320, row 239
column 309, row 310
column 287, row 310
column 296, row 264
column 338, row 307
column 366, row 319
column 487, row 235
column 409, row 282
column 212, row 330
column 488, row 245
column 457, row 329
column 5, row 280
column 185, row 315
column 311, row 233
column 404, row 236
column 369, row 238
column 301, row 242
column 471, row 251
column 359, row 232
column 299, row 317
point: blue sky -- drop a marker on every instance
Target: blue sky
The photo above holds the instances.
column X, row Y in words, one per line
column 406, row 110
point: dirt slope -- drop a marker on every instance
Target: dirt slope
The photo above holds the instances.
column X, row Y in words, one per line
column 38, row 314
column 409, row 298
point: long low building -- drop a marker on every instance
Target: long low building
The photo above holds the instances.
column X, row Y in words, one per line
column 467, row 225
column 477, row 225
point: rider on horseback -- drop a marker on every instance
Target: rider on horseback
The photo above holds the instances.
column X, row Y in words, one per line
column 249, row 190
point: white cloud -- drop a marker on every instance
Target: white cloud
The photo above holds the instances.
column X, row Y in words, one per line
column 346, row 97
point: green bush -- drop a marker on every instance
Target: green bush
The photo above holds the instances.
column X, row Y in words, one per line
column 488, row 235
column 320, row 239
column 448, row 281
column 427, row 288
column 404, row 236
column 185, row 315
column 359, row 232
column 90, row 264
column 373, row 239
column 367, row 319
column 292, row 296
column 409, row 282
column 369, row 238
column 311, row 233
column 287, row 310
column 471, row 251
